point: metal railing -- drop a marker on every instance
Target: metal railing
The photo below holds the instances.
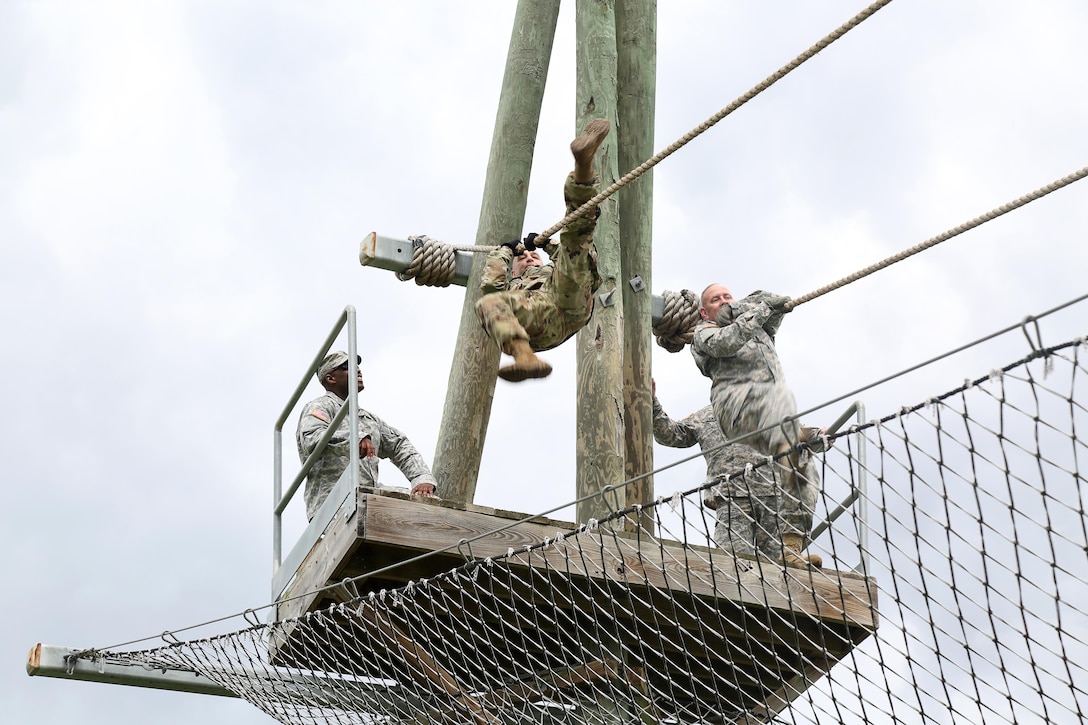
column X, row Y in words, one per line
column 857, row 409
column 280, row 500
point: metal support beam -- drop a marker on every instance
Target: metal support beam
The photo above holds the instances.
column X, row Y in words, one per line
column 281, row 684
column 62, row 662
column 396, row 254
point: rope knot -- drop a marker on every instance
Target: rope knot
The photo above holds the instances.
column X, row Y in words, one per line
column 677, row 325
column 434, row 263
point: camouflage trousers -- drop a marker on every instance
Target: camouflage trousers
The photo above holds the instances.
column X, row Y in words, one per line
column 749, row 525
column 563, row 304
column 753, row 519
column 747, row 407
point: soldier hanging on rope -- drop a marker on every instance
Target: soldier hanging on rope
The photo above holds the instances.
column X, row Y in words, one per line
column 734, row 347
column 530, row 306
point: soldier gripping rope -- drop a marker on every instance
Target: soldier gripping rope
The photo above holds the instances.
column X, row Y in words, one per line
column 734, row 347
column 529, row 306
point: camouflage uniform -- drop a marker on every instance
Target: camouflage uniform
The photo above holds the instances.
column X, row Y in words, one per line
column 388, row 443
column 752, row 509
column 748, row 390
column 550, row 303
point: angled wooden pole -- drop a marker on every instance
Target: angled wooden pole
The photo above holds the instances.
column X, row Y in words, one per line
column 600, row 343
column 636, row 45
column 471, row 385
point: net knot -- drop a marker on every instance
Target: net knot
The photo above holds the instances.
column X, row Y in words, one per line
column 676, row 500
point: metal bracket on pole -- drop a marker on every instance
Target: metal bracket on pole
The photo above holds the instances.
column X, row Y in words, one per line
column 637, row 284
column 396, row 256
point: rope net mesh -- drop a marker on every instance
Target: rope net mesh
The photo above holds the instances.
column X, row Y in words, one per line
column 954, row 591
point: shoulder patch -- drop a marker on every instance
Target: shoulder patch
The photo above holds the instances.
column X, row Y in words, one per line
column 320, row 414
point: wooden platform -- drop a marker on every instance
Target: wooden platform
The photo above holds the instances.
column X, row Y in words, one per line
column 683, row 624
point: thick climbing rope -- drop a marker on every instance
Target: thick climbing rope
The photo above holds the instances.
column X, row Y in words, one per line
column 677, row 324
column 971, row 224
column 433, row 262
column 427, row 255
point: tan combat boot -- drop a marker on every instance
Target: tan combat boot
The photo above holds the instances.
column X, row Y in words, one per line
column 792, row 545
column 526, row 363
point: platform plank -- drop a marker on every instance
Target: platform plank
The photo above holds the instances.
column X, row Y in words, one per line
column 644, row 561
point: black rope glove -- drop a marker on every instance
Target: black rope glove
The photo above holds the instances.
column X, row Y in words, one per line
column 513, row 244
column 530, row 242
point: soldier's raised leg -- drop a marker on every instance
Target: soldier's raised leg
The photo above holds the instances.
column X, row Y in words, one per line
column 585, row 148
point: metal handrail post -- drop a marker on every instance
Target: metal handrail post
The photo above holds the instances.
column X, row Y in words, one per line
column 280, row 500
column 863, row 487
column 857, row 408
column 353, row 399
column 322, row 443
column 277, row 483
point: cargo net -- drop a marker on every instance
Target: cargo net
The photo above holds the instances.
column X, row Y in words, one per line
column 954, row 590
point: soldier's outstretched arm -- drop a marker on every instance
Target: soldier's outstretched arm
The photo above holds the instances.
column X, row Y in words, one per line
column 497, row 271
column 775, row 302
column 672, row 433
column 729, row 336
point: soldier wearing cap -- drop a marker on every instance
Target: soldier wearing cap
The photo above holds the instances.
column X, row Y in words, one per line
column 734, row 347
column 376, row 440
column 529, row 306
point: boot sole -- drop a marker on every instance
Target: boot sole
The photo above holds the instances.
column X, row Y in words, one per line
column 515, row 374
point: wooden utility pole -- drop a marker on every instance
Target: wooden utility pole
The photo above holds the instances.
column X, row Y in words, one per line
column 636, row 44
column 600, row 447
column 471, row 386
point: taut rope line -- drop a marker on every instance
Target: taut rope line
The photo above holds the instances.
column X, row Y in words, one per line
column 921, row 246
column 676, row 329
column 683, row 140
column 690, row 135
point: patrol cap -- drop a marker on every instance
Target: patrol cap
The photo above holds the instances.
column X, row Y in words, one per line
column 332, row 361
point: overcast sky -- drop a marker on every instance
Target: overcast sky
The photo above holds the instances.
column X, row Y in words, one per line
column 184, row 185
